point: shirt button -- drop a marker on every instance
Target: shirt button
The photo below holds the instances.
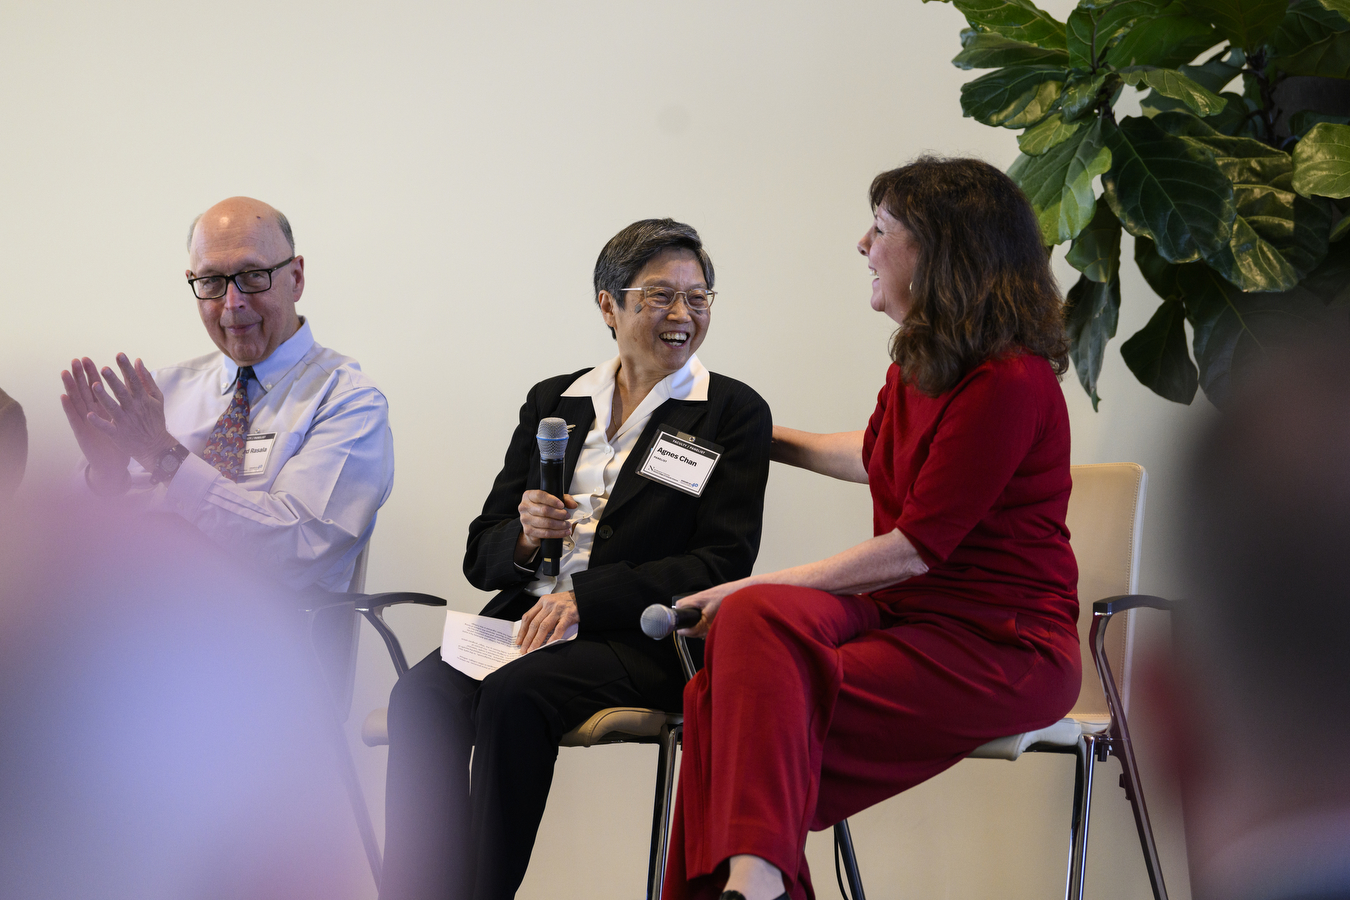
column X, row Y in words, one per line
column 605, row 532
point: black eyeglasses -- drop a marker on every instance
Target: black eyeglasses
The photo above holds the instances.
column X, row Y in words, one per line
column 254, row 281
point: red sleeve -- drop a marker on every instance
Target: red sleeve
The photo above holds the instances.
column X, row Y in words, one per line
column 984, row 433
column 878, row 415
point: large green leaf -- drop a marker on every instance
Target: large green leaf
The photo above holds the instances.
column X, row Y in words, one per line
column 1232, row 328
column 1158, row 357
column 1322, row 161
column 1312, row 41
column 1214, row 74
column 1278, row 236
column 1014, row 97
column 1096, row 250
column 1207, row 300
column 1329, row 283
column 1244, row 23
column 1090, row 321
column 1168, row 190
column 1020, row 20
column 1340, row 7
column 1160, row 274
column 1217, row 72
column 1229, row 326
column 1171, row 83
column 988, row 50
column 1080, row 93
column 1051, row 132
column 1214, row 309
column 1059, row 183
column 1090, row 32
column 1168, row 39
column 1301, row 122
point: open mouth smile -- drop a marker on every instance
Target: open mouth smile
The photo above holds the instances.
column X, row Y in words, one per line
column 674, row 338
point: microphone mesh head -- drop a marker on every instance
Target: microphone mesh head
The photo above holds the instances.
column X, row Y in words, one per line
column 658, row 621
column 552, row 438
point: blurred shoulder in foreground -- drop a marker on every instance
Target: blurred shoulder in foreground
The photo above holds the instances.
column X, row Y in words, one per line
column 163, row 728
column 1257, row 688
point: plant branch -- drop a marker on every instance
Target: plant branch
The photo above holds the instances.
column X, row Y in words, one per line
column 1267, row 111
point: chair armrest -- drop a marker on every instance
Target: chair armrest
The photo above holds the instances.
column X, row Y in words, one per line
column 1122, row 602
column 314, row 600
column 1102, row 611
column 686, row 660
column 373, row 602
column 372, row 606
column 682, row 644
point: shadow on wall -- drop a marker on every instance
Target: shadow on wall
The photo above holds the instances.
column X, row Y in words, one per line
column 162, row 729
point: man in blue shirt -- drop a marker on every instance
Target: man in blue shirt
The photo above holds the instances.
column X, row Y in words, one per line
column 273, row 445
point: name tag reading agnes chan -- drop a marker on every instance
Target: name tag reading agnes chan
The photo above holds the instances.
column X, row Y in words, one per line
column 257, row 447
column 681, row 461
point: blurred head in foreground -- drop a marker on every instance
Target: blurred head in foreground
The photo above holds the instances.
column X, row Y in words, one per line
column 163, row 731
column 1260, row 683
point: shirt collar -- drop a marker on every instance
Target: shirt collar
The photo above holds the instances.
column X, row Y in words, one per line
column 267, row 372
column 690, row 382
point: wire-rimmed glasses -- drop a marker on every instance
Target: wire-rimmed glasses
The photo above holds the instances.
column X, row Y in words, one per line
column 664, row 298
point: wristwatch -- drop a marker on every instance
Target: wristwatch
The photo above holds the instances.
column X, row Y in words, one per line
column 168, row 463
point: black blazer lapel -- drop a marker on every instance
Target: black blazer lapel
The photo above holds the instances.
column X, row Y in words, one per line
column 680, row 415
column 579, row 412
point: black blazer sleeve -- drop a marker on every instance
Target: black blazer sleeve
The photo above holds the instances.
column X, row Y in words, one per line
column 489, row 559
column 665, row 542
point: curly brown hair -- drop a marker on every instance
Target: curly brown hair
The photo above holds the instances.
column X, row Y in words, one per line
column 982, row 286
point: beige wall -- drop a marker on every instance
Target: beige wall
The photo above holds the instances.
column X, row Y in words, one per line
column 451, row 171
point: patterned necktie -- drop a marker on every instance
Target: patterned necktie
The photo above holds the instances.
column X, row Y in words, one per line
column 225, row 446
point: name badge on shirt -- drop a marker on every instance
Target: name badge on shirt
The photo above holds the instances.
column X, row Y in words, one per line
column 681, row 461
column 257, row 448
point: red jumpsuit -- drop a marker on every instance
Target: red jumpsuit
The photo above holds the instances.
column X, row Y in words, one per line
column 813, row 706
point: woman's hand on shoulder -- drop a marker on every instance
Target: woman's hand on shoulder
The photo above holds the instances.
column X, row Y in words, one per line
column 542, row 515
column 708, row 602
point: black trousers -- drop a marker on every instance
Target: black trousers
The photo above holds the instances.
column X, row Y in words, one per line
column 456, row 834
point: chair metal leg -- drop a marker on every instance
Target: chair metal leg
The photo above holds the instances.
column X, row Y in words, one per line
column 661, row 808
column 1084, row 769
column 347, row 770
column 1129, row 780
column 844, row 841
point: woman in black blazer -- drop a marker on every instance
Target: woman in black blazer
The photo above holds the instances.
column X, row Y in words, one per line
column 630, row 541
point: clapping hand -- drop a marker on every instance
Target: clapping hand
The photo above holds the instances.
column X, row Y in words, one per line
column 116, row 422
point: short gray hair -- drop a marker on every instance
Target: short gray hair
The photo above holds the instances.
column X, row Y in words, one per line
column 282, row 222
column 631, row 249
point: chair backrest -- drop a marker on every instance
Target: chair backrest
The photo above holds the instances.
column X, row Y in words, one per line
column 1106, row 525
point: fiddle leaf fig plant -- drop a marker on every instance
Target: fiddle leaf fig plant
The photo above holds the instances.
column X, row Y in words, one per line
column 1235, row 191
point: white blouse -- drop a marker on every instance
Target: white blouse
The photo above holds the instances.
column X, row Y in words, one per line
column 601, row 459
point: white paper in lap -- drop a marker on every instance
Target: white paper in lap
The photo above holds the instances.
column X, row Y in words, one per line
column 479, row 645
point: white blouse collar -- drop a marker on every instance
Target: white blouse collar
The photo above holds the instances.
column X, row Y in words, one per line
column 690, row 382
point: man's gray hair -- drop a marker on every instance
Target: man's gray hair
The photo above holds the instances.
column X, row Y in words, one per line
column 631, row 249
column 282, row 222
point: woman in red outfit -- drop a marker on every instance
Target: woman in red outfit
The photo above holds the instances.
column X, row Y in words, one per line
column 831, row 686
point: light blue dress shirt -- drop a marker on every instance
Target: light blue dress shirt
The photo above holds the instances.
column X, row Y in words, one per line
column 306, row 517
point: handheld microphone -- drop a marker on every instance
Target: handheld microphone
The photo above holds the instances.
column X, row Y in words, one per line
column 659, row 622
column 552, row 438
